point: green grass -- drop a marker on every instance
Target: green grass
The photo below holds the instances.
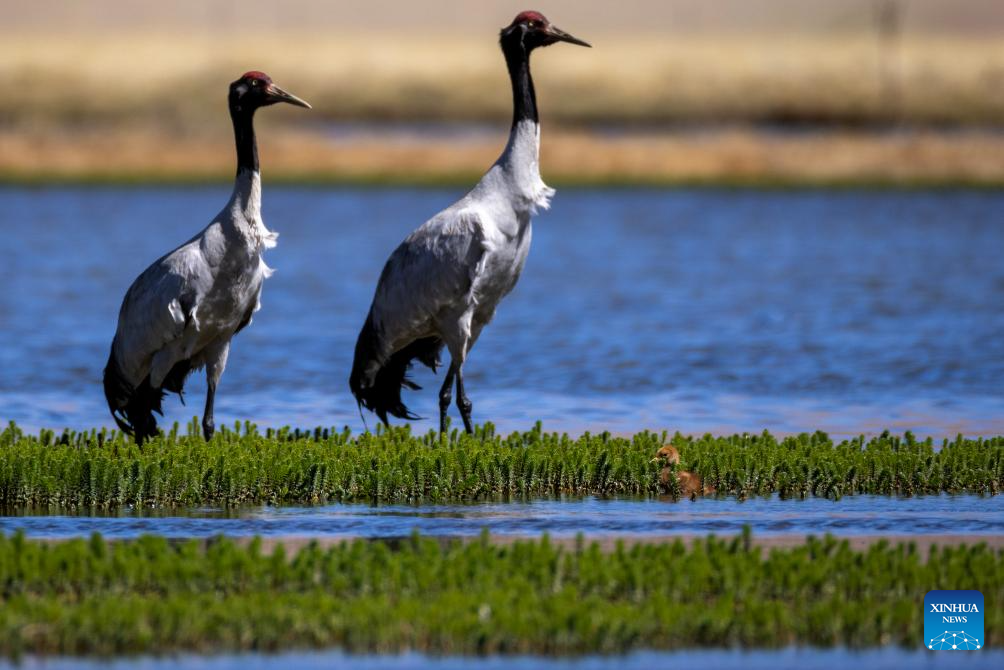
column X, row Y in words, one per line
column 102, row 469
column 150, row 595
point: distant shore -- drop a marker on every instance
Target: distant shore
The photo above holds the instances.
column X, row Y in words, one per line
column 747, row 109
column 726, row 156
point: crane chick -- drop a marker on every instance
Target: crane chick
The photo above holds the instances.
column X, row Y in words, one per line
column 441, row 286
column 181, row 313
column 690, row 483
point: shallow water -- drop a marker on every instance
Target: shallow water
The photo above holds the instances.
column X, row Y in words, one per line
column 720, row 311
column 794, row 658
column 853, row 515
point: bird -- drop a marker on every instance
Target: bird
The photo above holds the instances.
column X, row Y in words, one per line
column 180, row 314
column 668, row 453
column 441, row 286
column 690, row 484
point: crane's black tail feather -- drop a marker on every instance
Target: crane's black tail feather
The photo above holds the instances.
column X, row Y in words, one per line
column 132, row 407
column 382, row 393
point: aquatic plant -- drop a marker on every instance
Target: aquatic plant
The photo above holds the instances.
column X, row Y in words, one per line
column 154, row 595
column 103, row 469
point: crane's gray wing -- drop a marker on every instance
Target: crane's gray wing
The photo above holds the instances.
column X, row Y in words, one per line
column 157, row 321
column 428, row 278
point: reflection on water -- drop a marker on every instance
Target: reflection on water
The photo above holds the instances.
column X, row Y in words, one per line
column 702, row 311
column 784, row 659
column 853, row 515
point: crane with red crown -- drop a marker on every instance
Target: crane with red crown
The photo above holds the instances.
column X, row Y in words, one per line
column 441, row 286
column 181, row 312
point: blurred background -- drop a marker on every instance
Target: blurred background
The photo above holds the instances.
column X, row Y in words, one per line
column 675, row 91
column 817, row 245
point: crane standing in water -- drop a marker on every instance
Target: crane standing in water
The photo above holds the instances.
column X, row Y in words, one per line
column 442, row 284
column 181, row 313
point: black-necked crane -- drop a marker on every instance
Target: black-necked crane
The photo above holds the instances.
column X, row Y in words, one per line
column 181, row 313
column 442, row 284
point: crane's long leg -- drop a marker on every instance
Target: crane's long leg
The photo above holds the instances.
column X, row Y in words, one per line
column 216, row 361
column 446, row 396
column 208, row 426
column 463, row 402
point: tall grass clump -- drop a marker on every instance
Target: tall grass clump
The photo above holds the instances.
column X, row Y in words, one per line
column 104, row 469
column 151, row 595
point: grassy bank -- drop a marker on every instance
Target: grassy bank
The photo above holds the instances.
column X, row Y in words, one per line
column 104, row 470
column 150, row 595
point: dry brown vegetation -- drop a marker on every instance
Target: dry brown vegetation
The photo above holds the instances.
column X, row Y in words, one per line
column 686, row 108
column 728, row 156
column 172, row 79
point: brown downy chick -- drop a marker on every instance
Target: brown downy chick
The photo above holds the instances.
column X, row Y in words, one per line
column 690, row 483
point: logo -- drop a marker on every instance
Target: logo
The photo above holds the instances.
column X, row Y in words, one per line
column 953, row 620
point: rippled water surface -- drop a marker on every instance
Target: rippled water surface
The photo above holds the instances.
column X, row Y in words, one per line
column 795, row 659
column 852, row 515
column 700, row 311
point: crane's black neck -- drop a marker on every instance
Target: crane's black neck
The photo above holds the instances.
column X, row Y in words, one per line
column 247, row 144
column 524, row 98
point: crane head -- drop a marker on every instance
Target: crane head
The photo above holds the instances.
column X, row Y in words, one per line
column 534, row 30
column 255, row 89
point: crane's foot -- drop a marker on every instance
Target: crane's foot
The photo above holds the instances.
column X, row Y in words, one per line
column 465, row 406
column 445, row 397
column 464, row 403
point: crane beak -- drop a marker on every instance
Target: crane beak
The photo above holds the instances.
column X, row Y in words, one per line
column 559, row 35
column 276, row 94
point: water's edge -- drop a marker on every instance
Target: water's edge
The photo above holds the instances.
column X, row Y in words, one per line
column 800, row 658
column 852, row 516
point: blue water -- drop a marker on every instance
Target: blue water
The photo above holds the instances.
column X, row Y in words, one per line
column 714, row 311
column 596, row 518
column 889, row 658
